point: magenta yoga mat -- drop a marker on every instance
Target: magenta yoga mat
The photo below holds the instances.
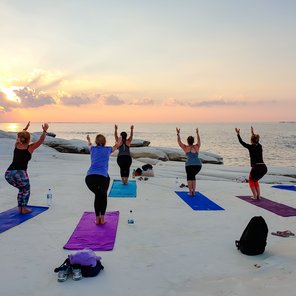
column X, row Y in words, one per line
column 88, row 234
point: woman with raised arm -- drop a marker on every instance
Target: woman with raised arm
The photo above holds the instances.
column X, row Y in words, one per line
column 97, row 178
column 193, row 163
column 16, row 174
column 124, row 158
column 259, row 168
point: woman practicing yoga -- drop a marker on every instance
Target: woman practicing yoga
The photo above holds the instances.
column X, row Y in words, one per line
column 124, row 158
column 16, row 174
column 259, row 168
column 193, row 163
column 97, row 178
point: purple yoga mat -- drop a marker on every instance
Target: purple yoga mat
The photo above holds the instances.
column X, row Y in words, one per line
column 272, row 206
column 88, row 234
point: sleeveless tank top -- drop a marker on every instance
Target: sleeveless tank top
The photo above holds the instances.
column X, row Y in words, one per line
column 21, row 157
column 124, row 150
column 192, row 159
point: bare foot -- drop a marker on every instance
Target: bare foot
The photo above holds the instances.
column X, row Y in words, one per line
column 24, row 210
column 102, row 220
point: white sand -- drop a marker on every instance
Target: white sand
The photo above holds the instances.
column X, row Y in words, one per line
column 171, row 249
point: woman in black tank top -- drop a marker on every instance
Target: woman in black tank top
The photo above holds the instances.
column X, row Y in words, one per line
column 124, row 159
column 16, row 174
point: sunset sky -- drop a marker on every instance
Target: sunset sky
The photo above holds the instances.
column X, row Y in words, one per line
column 160, row 61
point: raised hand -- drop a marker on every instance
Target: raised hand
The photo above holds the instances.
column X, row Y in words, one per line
column 178, row 130
column 237, row 130
column 27, row 126
column 45, row 127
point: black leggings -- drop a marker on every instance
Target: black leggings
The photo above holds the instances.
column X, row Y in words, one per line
column 99, row 186
column 192, row 171
column 124, row 162
column 258, row 171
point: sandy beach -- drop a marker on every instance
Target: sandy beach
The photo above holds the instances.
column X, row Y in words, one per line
column 170, row 250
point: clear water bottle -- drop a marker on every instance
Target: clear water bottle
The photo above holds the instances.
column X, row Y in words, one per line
column 49, row 197
column 130, row 219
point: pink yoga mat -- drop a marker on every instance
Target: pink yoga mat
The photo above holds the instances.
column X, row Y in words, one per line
column 88, row 234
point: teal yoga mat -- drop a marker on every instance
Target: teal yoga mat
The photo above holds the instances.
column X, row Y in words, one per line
column 120, row 190
column 12, row 217
column 199, row 202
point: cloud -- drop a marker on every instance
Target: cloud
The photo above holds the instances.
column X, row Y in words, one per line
column 32, row 98
column 75, row 100
column 5, row 104
column 171, row 102
column 112, row 100
column 215, row 103
column 143, row 102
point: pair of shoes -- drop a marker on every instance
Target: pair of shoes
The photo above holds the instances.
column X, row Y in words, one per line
column 66, row 269
column 285, row 233
column 182, row 185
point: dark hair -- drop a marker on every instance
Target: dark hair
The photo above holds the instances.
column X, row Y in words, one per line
column 123, row 135
column 255, row 139
column 190, row 140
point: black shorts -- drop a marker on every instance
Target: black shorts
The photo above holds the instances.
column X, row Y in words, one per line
column 192, row 171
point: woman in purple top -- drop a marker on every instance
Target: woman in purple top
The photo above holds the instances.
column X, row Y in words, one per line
column 97, row 178
column 16, row 174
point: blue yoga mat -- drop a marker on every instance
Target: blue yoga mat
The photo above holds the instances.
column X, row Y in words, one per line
column 199, row 202
column 285, row 187
column 12, row 217
column 120, row 190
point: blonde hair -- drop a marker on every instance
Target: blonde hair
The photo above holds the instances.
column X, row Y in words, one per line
column 100, row 140
column 24, row 137
column 255, row 139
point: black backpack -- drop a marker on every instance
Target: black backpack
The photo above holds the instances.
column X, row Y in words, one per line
column 254, row 237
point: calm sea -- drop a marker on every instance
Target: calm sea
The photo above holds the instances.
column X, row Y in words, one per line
column 278, row 139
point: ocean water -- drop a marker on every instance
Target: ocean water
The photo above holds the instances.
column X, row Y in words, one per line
column 277, row 138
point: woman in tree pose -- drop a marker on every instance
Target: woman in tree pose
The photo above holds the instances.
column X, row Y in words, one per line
column 193, row 163
column 259, row 168
column 97, row 178
column 16, row 174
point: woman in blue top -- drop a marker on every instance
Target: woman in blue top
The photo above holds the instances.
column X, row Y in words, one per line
column 97, row 178
column 16, row 174
column 193, row 164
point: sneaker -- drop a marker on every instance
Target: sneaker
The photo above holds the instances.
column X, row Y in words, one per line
column 76, row 271
column 63, row 273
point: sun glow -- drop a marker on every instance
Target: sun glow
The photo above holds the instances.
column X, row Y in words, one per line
column 10, row 93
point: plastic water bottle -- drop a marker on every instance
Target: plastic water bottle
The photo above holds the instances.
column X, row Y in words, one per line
column 49, row 197
column 130, row 219
column 177, row 183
